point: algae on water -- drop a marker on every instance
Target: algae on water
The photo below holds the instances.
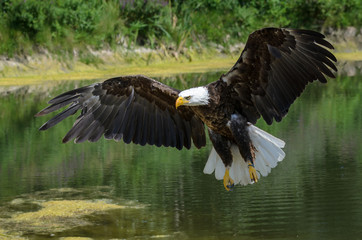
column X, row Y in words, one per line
column 47, row 213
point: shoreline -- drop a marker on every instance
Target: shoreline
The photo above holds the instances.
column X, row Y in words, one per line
column 41, row 71
column 82, row 72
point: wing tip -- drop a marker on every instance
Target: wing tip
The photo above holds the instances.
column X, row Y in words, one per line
column 44, row 127
column 307, row 32
column 39, row 114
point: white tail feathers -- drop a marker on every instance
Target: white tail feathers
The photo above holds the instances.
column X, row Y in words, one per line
column 267, row 155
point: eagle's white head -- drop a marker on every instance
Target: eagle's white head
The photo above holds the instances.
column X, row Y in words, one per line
column 193, row 97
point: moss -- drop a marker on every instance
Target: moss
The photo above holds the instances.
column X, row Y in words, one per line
column 10, row 236
column 61, row 215
column 55, row 212
column 66, row 209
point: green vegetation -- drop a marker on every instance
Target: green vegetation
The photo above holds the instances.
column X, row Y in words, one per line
column 73, row 27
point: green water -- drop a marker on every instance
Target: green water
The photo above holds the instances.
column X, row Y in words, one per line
column 315, row 193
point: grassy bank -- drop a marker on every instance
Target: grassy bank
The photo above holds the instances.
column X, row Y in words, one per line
column 52, row 70
column 46, row 70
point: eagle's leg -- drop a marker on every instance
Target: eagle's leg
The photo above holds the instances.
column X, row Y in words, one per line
column 228, row 181
column 238, row 126
column 222, row 147
column 252, row 171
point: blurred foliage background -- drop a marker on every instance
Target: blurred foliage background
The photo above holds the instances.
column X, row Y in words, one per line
column 60, row 26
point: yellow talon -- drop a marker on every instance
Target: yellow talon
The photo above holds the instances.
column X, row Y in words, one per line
column 228, row 182
column 252, row 172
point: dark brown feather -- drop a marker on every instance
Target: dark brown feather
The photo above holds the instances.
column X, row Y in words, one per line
column 135, row 108
column 274, row 69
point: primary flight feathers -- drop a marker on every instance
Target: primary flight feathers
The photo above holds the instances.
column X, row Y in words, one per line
column 274, row 68
column 135, row 108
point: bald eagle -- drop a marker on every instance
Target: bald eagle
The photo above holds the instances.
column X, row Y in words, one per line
column 272, row 71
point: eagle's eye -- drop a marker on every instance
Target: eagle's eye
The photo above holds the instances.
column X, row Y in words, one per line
column 188, row 98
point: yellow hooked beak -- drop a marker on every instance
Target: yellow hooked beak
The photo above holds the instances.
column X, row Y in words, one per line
column 180, row 101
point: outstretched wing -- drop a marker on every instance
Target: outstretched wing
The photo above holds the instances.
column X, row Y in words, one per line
column 135, row 108
column 274, row 69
